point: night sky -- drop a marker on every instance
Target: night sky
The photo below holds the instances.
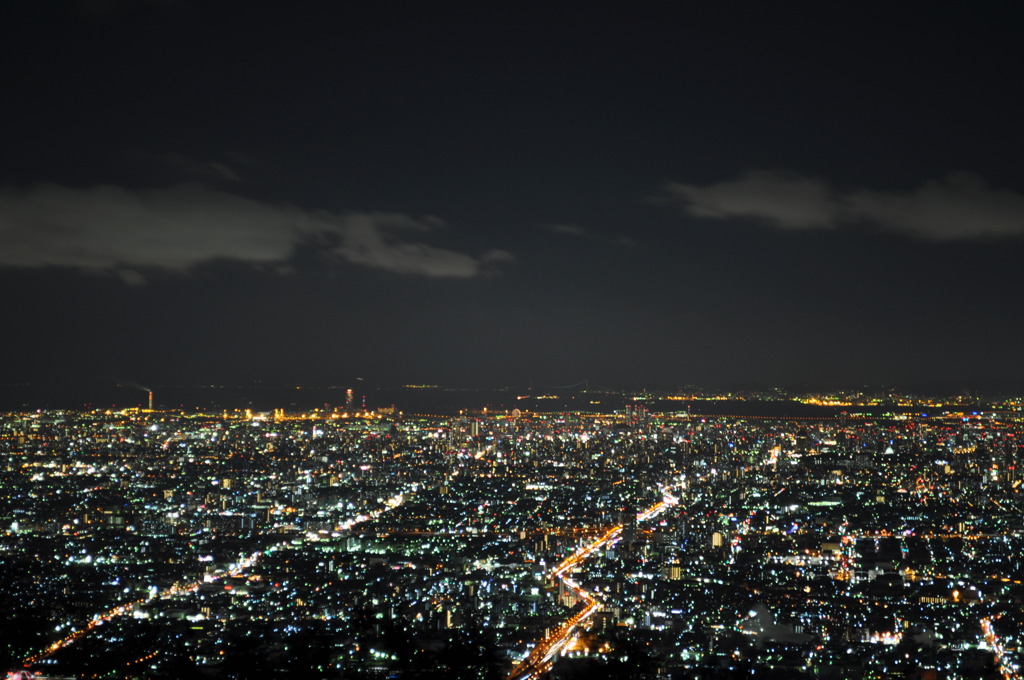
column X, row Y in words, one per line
column 754, row 194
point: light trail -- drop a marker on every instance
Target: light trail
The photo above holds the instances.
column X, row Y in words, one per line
column 235, row 569
column 1005, row 668
column 540, row 657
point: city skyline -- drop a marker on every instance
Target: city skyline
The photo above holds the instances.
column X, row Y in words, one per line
column 629, row 542
column 217, row 195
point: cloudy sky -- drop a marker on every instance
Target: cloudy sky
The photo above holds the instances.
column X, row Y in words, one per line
column 745, row 195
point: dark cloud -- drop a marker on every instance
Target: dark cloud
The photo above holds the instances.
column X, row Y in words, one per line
column 179, row 167
column 959, row 206
column 567, row 229
column 109, row 228
column 368, row 239
column 580, row 232
column 785, row 201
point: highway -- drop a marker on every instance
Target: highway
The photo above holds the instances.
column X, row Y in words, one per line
column 541, row 657
column 1006, row 669
column 235, row 569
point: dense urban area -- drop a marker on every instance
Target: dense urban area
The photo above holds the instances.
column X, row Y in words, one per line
column 642, row 542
